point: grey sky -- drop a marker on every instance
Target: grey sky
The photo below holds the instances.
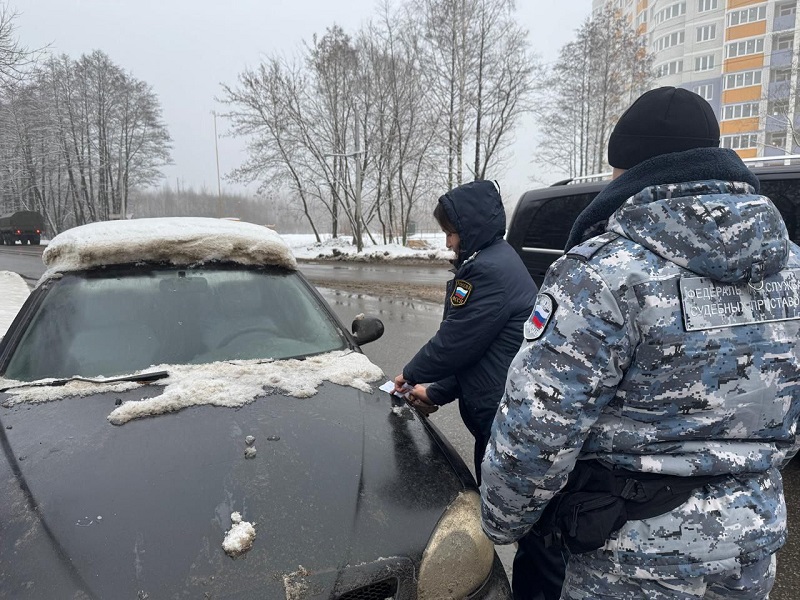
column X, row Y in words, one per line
column 185, row 48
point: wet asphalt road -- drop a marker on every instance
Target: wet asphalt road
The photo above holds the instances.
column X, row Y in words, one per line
column 409, row 324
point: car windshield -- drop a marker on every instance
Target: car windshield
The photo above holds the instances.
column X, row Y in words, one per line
column 114, row 321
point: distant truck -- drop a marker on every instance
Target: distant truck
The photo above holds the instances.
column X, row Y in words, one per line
column 23, row 226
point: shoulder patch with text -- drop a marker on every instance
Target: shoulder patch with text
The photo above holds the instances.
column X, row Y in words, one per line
column 461, row 292
column 707, row 304
column 540, row 317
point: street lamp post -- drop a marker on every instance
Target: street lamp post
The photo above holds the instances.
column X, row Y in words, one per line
column 216, row 153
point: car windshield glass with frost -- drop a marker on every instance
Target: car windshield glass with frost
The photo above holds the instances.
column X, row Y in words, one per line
column 115, row 321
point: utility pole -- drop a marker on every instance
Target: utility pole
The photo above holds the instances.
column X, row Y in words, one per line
column 216, row 152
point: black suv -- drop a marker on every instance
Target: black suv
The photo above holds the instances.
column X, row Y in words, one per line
column 543, row 218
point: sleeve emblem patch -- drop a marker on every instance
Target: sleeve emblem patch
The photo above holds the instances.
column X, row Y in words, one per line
column 461, row 292
column 540, row 317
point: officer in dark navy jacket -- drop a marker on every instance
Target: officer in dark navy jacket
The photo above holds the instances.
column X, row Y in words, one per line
column 486, row 306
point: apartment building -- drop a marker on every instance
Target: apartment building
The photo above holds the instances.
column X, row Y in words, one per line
column 740, row 55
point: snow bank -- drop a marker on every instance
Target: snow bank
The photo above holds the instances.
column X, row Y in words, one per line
column 423, row 247
column 14, row 291
column 175, row 240
column 229, row 384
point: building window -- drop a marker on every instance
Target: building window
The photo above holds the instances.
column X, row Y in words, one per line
column 671, row 12
column 777, row 139
column 740, row 111
column 668, row 41
column 705, row 5
column 704, row 63
column 783, row 42
column 748, row 15
column 784, row 74
column 745, row 47
column 787, row 9
column 670, row 68
column 705, row 91
column 742, row 79
column 746, row 140
column 706, row 32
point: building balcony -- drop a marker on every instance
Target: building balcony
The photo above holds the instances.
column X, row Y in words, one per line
column 774, row 123
column 783, row 23
column 778, row 90
column 773, row 151
column 781, row 58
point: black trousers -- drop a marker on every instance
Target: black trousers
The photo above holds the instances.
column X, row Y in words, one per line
column 479, row 423
column 538, row 572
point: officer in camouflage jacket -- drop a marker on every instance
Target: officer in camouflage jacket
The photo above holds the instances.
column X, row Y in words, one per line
column 668, row 344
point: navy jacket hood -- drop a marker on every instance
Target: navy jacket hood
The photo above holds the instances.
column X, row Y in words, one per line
column 476, row 210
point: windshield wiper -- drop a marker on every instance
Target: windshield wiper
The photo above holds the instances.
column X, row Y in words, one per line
column 139, row 378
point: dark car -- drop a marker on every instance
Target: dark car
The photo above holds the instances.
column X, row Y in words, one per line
column 183, row 416
column 543, row 218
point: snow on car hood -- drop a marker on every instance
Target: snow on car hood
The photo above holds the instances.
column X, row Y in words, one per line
column 174, row 240
column 230, row 384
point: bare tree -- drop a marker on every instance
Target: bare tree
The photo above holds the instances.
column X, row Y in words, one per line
column 506, row 74
column 265, row 109
column 408, row 119
column 15, row 58
column 450, row 59
column 370, row 127
column 589, row 87
column 76, row 136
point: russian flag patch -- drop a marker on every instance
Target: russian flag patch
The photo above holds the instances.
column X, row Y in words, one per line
column 540, row 317
column 461, row 291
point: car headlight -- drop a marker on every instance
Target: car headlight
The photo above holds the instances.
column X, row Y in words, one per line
column 459, row 556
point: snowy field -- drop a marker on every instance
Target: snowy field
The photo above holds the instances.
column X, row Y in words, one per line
column 13, row 291
column 424, row 246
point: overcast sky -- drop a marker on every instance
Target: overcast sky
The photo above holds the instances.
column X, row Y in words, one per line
column 185, row 48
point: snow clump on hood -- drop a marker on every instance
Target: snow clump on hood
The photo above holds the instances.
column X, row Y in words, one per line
column 239, row 538
column 228, row 384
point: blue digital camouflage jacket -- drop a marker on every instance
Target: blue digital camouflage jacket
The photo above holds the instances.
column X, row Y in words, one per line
column 670, row 345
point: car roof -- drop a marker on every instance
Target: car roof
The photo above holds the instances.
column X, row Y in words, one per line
column 180, row 241
column 594, row 183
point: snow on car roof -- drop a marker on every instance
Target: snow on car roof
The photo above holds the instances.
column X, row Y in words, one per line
column 227, row 384
column 175, row 240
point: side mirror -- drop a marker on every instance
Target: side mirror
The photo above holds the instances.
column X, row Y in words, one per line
column 367, row 329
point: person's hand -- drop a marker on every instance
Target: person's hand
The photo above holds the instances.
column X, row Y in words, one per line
column 400, row 385
column 418, row 398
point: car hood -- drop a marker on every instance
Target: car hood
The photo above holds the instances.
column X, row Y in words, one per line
column 345, row 489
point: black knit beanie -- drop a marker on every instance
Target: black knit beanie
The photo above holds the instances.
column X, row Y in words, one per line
column 661, row 121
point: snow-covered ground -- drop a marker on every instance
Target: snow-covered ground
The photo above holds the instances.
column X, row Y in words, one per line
column 424, row 246
column 13, row 291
